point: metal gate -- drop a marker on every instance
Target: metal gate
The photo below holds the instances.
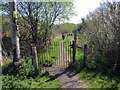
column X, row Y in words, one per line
column 56, row 53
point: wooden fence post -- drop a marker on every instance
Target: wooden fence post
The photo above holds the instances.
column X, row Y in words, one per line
column 74, row 45
column 74, row 50
column 35, row 59
column 85, row 55
column 1, row 51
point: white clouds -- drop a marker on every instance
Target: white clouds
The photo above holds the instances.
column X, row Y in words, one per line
column 82, row 8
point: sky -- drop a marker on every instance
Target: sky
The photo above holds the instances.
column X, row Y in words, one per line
column 82, row 8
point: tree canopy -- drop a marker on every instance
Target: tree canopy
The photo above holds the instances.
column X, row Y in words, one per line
column 39, row 17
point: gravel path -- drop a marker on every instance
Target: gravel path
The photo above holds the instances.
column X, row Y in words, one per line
column 67, row 78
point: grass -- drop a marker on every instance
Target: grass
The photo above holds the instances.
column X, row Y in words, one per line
column 49, row 55
column 25, row 77
column 58, row 40
column 68, row 38
column 96, row 78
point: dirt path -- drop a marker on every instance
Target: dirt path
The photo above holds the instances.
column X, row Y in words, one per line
column 66, row 77
column 56, row 37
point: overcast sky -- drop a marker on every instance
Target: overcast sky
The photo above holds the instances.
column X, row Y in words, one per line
column 82, row 8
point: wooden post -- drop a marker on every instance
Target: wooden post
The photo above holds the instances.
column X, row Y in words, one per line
column 85, row 55
column 35, row 58
column 1, row 66
column 74, row 45
column 70, row 51
column 1, row 43
column 74, row 50
column 75, row 36
column 0, row 50
column 15, row 38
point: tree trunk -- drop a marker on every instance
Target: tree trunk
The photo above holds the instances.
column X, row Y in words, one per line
column 15, row 38
column 34, row 28
column 0, row 49
column 34, row 34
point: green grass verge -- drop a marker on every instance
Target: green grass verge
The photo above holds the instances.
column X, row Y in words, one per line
column 25, row 77
column 96, row 78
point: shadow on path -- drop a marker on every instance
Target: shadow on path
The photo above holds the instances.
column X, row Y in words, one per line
column 67, row 78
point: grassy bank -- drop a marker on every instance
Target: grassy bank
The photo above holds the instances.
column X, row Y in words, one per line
column 25, row 77
column 96, row 77
column 100, row 79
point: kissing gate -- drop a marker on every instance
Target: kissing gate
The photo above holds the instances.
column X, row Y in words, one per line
column 56, row 54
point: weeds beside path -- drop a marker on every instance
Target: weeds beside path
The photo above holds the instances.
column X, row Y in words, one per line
column 24, row 77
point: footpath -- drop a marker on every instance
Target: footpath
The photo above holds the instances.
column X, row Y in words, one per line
column 67, row 78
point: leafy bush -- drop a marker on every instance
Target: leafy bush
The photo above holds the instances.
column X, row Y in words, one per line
column 102, row 34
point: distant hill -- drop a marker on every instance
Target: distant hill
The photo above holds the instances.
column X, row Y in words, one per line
column 64, row 28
